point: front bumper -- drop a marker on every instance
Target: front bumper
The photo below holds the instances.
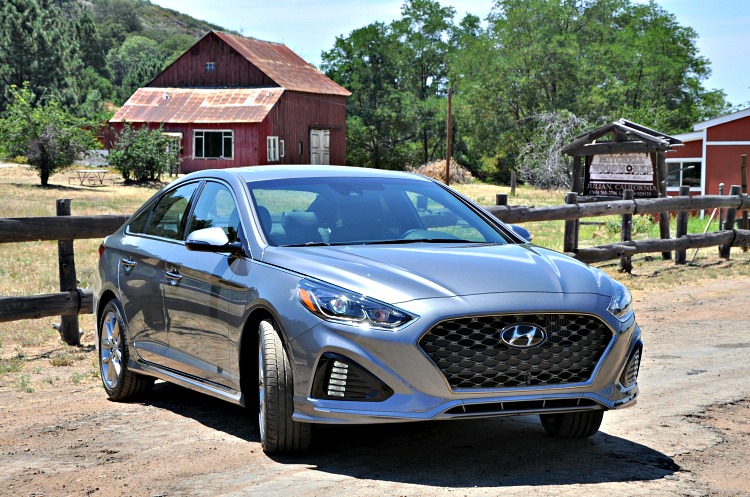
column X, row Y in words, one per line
column 420, row 391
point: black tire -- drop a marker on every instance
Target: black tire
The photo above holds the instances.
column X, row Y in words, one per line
column 119, row 382
column 278, row 432
column 572, row 425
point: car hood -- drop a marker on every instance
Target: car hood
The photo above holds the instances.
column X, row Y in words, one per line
column 399, row 273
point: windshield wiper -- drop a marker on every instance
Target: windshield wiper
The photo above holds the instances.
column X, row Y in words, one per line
column 418, row 240
column 309, row 244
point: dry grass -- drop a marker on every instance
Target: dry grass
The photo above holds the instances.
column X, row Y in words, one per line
column 31, row 268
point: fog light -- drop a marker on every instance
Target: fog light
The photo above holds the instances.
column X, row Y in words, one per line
column 630, row 374
column 339, row 378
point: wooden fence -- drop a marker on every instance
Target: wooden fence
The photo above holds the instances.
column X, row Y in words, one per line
column 573, row 210
column 72, row 301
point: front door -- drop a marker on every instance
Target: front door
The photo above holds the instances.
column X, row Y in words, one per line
column 320, row 146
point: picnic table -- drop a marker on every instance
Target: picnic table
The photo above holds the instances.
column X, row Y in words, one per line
column 90, row 176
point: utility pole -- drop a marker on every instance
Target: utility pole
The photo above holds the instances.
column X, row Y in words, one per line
column 448, row 142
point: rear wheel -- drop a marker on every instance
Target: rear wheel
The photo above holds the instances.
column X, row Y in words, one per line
column 572, row 425
column 119, row 382
column 278, row 432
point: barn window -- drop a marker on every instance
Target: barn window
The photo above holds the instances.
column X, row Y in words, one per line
column 213, row 144
column 272, row 143
column 210, row 66
column 685, row 172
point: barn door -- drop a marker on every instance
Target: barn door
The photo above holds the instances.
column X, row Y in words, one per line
column 320, row 146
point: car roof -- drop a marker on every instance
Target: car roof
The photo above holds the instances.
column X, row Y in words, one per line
column 263, row 173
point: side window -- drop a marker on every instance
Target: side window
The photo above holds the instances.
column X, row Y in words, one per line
column 138, row 224
column 169, row 213
column 216, row 208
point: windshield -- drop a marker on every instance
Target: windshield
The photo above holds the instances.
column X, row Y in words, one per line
column 342, row 211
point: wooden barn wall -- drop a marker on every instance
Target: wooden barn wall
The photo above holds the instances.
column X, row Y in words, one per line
column 691, row 150
column 723, row 166
column 297, row 113
column 737, row 130
column 246, row 144
column 232, row 69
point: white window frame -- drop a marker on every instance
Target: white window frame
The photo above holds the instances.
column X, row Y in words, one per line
column 201, row 134
column 678, row 164
column 273, row 148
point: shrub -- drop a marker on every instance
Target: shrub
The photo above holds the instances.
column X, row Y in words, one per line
column 142, row 154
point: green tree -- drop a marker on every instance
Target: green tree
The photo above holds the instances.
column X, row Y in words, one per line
column 599, row 60
column 49, row 137
column 36, row 46
column 90, row 41
column 378, row 126
column 423, row 30
column 133, row 52
column 143, row 154
column 397, row 77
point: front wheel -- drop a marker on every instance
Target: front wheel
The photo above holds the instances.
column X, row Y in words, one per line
column 572, row 425
column 278, row 431
column 119, row 382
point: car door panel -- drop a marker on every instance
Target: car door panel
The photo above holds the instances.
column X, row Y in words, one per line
column 140, row 279
column 198, row 291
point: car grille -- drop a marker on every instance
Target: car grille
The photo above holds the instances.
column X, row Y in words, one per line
column 470, row 353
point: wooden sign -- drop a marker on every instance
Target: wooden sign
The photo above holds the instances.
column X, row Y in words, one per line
column 611, row 175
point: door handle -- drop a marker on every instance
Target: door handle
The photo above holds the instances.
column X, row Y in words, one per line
column 173, row 276
column 128, row 264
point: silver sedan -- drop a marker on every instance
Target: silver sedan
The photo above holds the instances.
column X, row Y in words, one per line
column 327, row 294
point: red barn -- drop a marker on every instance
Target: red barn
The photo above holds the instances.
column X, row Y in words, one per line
column 711, row 154
column 231, row 101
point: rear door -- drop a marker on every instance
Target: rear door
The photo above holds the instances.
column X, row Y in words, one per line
column 150, row 239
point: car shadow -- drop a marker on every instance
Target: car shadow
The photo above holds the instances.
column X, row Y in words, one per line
column 492, row 452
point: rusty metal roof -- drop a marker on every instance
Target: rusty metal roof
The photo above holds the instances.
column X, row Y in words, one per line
column 198, row 105
column 286, row 68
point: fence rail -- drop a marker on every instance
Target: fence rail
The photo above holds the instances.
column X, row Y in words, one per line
column 72, row 301
column 568, row 212
column 32, row 229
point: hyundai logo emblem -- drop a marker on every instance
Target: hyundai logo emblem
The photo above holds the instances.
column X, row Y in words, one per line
column 523, row 335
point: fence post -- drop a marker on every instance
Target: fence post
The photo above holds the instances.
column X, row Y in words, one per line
column 575, row 180
column 663, row 216
column 729, row 218
column 626, row 234
column 570, row 242
column 501, row 199
column 68, row 327
column 743, row 171
column 680, row 256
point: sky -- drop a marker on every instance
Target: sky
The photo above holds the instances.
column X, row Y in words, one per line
column 310, row 27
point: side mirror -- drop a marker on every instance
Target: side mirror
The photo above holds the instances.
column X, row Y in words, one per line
column 522, row 232
column 211, row 240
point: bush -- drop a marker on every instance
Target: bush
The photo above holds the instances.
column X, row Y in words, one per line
column 142, row 154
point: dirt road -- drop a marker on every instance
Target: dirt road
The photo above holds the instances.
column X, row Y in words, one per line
column 687, row 436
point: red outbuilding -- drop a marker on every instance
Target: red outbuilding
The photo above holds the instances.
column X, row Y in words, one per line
column 231, row 101
column 710, row 155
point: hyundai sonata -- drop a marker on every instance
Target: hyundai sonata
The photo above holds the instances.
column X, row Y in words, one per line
column 327, row 294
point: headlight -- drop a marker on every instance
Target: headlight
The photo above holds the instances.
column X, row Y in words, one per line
column 335, row 304
column 621, row 304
